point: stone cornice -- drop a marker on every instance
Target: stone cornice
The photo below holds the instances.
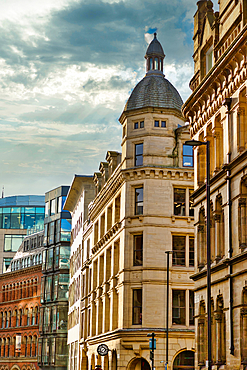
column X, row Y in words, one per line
column 107, row 237
column 135, row 112
column 225, row 77
column 168, row 173
column 25, row 272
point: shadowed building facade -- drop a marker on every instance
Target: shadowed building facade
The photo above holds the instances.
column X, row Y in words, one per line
column 139, row 209
column 217, row 112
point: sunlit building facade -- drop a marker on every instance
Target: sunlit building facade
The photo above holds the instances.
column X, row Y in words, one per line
column 18, row 215
column 217, row 112
column 140, row 209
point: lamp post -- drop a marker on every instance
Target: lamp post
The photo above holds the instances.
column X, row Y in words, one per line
column 167, row 305
column 207, row 143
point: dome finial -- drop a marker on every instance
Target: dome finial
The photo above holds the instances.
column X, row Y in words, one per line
column 155, row 34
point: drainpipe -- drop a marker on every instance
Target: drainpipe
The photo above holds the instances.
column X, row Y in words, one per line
column 227, row 103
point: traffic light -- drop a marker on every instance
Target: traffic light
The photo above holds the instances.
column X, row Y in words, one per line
column 152, row 347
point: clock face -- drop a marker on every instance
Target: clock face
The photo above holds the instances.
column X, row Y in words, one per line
column 102, row 349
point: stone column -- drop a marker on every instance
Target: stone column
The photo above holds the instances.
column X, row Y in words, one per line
column 242, row 222
column 218, row 344
column 243, row 313
column 218, row 240
column 201, row 245
column 201, row 338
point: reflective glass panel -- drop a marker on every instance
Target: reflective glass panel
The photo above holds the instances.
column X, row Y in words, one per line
column 62, row 318
column 53, row 207
column 63, row 286
column 64, row 257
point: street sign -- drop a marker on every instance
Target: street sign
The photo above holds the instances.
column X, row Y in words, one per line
column 102, row 350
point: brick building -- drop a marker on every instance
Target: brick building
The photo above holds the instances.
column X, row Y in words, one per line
column 19, row 310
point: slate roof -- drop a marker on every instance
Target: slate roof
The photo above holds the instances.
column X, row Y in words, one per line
column 154, row 91
column 155, row 48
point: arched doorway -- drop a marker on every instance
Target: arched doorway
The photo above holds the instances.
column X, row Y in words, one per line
column 184, row 361
column 139, row 364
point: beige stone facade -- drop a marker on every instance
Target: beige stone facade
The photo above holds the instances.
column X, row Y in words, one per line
column 141, row 209
column 216, row 110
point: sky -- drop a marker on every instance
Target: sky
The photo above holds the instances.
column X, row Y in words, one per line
column 67, row 68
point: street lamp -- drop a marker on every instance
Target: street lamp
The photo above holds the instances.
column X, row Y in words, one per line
column 167, row 304
column 207, row 143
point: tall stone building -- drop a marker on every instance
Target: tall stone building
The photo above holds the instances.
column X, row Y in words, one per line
column 140, row 209
column 217, row 112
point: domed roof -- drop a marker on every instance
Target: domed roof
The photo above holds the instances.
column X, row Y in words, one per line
column 155, row 48
column 154, row 91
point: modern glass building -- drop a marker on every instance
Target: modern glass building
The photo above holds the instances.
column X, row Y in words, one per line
column 18, row 215
column 53, row 352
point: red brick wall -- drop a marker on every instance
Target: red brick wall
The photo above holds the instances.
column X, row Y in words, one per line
column 20, row 294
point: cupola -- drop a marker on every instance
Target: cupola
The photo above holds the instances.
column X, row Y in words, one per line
column 154, row 56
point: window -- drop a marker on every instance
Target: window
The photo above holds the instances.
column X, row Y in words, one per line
column 188, row 156
column 139, row 201
column 12, row 242
column 151, row 63
column 191, row 251
column 178, row 307
column 51, row 232
column 137, row 307
column 209, row 59
column 178, row 248
column 179, row 202
column 63, row 286
column 6, row 263
column 163, row 123
column 65, row 229
column 138, row 250
column 47, row 208
column 139, row 154
column 142, row 124
column 156, row 123
column 53, row 207
column 136, row 125
column 156, row 63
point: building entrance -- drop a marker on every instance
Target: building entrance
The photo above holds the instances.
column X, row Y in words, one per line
column 184, row 361
column 139, row 364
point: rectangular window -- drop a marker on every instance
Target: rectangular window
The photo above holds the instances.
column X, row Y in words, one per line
column 163, row 123
column 12, row 242
column 135, row 125
column 6, row 263
column 63, row 286
column 191, row 305
column 156, row 123
column 138, row 250
column 139, row 154
column 65, row 229
column 188, row 156
column 53, row 207
column 49, row 264
column 48, row 286
column 142, row 124
column 178, row 248
column 179, row 202
column 139, row 201
column 47, row 209
column 137, row 307
column 51, row 230
column 178, row 307
column 191, row 251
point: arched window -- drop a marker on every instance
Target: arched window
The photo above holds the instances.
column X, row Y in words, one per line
column 219, row 228
column 17, row 318
column 6, row 317
column 3, row 287
column 23, row 263
column 7, row 347
column 151, row 63
column 40, row 258
column 4, row 346
column 184, row 360
column 34, row 346
column 20, row 317
column 28, row 316
column 29, row 346
column 9, row 319
column 25, row 346
column 1, row 322
column 35, row 287
column 31, row 288
column 28, row 262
